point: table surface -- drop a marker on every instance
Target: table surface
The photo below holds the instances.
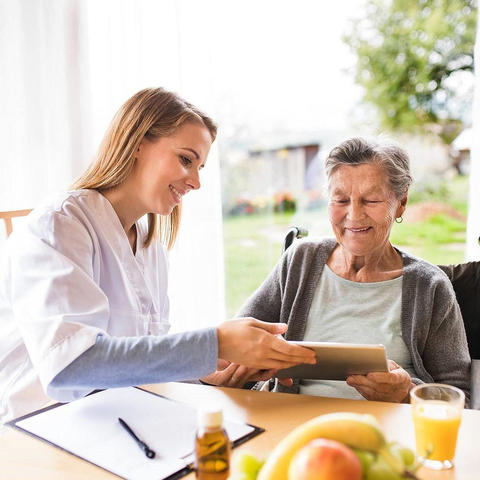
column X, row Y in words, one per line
column 23, row 456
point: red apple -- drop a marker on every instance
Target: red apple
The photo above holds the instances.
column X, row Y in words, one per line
column 323, row 459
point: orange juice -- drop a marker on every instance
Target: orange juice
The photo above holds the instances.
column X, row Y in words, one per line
column 436, row 428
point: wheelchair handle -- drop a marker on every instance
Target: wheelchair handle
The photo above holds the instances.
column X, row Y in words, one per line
column 292, row 234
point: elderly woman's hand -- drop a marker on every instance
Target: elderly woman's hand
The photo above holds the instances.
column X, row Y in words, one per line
column 393, row 386
column 235, row 375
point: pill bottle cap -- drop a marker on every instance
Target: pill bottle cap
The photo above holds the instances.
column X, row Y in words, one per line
column 210, row 418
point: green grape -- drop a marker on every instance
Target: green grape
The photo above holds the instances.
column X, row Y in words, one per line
column 366, row 459
column 247, row 464
column 380, row 470
column 404, row 454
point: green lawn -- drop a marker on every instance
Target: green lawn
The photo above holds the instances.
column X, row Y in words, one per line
column 252, row 246
column 253, row 243
column 440, row 239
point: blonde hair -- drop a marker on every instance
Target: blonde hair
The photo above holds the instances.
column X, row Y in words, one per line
column 151, row 113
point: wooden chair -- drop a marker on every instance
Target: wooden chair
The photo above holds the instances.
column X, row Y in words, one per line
column 7, row 218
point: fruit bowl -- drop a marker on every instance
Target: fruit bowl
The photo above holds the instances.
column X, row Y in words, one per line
column 344, row 446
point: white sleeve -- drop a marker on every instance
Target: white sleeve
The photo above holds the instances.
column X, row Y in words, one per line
column 59, row 308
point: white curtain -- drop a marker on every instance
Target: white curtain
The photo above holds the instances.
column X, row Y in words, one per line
column 473, row 223
column 66, row 67
column 44, row 126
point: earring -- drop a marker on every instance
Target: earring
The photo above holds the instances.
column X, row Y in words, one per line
column 399, row 219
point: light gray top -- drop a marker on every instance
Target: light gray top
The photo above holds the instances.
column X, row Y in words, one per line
column 345, row 311
column 431, row 322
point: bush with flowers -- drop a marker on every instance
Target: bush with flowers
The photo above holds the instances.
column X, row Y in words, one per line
column 281, row 202
column 284, row 202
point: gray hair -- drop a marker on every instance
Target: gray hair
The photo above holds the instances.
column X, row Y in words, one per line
column 358, row 151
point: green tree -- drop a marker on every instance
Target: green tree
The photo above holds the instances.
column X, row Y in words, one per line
column 415, row 59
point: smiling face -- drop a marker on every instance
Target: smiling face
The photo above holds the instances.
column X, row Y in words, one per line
column 362, row 208
column 167, row 168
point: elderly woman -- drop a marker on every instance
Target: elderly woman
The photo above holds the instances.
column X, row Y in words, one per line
column 359, row 288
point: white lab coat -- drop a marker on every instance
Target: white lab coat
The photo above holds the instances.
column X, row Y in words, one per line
column 68, row 276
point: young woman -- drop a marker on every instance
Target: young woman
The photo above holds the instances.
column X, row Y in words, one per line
column 83, row 291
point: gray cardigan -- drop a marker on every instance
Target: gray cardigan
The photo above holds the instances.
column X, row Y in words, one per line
column 432, row 325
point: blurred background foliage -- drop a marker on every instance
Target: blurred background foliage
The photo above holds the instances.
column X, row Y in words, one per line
column 415, row 63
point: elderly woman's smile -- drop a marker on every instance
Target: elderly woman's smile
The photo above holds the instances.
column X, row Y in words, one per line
column 357, row 229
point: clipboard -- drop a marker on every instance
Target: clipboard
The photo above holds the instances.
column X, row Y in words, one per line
column 89, row 429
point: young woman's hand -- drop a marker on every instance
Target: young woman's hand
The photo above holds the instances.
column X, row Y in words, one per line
column 392, row 386
column 255, row 344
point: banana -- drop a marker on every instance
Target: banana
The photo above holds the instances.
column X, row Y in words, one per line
column 352, row 429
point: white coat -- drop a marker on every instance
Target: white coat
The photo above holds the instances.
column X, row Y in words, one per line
column 68, row 276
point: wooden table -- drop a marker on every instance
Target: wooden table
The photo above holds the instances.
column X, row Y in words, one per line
column 24, row 457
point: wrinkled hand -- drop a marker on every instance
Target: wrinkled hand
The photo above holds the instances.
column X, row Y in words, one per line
column 253, row 343
column 288, row 382
column 235, row 375
column 392, row 386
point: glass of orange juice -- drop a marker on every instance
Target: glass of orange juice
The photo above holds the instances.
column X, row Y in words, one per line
column 437, row 411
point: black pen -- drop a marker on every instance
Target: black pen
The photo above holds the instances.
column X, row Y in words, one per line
column 148, row 452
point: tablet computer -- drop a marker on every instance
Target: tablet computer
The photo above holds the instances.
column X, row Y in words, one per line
column 336, row 361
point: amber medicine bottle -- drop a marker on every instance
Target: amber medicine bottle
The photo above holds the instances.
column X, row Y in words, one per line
column 212, row 447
